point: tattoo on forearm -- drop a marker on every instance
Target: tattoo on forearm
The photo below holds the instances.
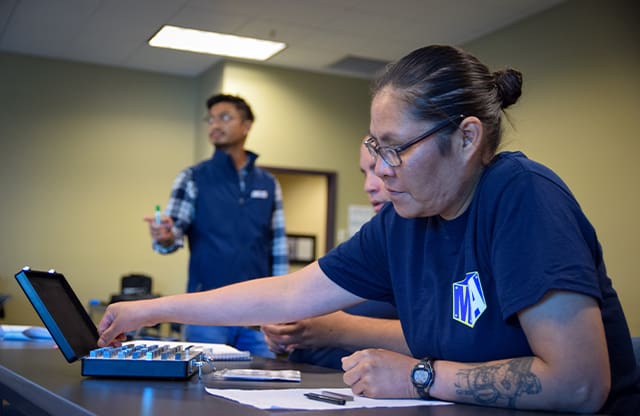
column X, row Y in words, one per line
column 500, row 384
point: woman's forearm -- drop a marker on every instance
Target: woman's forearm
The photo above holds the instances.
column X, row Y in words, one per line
column 258, row 301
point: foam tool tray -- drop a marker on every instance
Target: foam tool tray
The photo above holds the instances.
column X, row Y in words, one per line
column 155, row 360
column 76, row 335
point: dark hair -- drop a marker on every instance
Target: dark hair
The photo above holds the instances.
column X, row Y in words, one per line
column 240, row 104
column 439, row 82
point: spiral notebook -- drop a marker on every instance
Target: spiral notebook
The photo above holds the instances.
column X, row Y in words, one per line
column 223, row 354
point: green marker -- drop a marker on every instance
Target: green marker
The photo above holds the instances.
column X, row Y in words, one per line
column 158, row 215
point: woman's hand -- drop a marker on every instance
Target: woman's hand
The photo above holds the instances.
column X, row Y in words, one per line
column 120, row 318
column 379, row 374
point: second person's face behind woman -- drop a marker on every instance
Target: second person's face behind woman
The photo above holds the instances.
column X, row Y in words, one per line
column 373, row 186
column 426, row 183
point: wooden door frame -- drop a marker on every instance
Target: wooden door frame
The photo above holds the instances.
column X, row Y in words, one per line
column 332, row 183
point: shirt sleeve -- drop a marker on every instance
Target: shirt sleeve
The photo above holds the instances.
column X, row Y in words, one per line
column 279, row 248
column 181, row 208
column 542, row 241
column 360, row 264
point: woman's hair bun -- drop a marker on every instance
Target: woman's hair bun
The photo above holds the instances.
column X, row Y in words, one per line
column 509, row 84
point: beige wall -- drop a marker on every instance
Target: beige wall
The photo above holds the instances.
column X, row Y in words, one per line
column 86, row 151
column 581, row 99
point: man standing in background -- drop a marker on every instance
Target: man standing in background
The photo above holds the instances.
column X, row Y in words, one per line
column 231, row 212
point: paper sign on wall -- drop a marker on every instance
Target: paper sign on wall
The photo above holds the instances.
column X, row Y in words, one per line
column 358, row 215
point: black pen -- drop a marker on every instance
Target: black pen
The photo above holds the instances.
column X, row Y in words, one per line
column 346, row 397
column 327, row 399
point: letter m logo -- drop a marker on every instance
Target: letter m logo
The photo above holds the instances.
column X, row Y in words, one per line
column 468, row 300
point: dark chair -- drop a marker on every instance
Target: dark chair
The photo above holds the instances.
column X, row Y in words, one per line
column 135, row 284
column 3, row 299
column 134, row 287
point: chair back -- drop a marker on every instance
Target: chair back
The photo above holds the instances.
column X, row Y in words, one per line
column 135, row 284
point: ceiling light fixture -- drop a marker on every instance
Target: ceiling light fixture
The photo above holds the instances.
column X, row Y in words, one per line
column 174, row 37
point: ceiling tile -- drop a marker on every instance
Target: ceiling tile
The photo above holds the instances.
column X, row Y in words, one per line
column 317, row 32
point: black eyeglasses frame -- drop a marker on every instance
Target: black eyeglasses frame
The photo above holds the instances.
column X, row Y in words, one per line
column 391, row 154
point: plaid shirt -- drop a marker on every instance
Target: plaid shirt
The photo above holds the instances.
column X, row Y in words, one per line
column 181, row 207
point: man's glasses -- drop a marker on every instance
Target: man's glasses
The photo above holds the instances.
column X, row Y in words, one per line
column 391, row 154
column 223, row 118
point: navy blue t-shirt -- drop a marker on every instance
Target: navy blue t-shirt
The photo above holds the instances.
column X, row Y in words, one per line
column 459, row 284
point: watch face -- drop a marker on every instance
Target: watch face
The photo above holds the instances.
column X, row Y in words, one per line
column 420, row 376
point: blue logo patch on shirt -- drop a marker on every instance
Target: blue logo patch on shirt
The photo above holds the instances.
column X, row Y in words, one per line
column 468, row 300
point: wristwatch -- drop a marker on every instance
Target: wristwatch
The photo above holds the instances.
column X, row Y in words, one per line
column 422, row 377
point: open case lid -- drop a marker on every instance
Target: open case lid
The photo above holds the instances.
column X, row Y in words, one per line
column 60, row 311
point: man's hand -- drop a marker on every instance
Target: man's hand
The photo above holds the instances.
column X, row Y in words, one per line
column 379, row 374
column 308, row 333
column 161, row 233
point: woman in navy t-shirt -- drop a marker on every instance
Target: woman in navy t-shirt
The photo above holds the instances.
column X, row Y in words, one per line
column 497, row 275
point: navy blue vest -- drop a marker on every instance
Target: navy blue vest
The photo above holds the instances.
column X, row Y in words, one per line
column 230, row 238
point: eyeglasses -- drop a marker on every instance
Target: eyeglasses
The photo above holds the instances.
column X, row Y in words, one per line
column 223, row 118
column 391, row 154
